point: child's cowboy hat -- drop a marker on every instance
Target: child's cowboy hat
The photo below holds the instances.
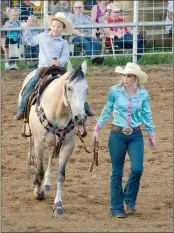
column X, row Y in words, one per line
column 60, row 16
column 133, row 68
column 114, row 7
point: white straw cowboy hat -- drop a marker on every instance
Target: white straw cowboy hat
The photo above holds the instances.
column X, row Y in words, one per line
column 61, row 17
column 133, row 68
column 114, row 6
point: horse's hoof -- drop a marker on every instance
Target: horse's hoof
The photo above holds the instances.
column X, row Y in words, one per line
column 58, row 209
column 47, row 188
column 84, row 134
column 40, row 196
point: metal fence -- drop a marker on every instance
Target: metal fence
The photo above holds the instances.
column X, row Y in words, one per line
column 147, row 17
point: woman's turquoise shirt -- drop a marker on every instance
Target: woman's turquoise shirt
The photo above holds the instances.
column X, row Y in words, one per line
column 128, row 111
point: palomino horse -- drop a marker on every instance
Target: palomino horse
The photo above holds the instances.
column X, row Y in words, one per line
column 61, row 107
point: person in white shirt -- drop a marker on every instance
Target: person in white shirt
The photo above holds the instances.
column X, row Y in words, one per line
column 169, row 17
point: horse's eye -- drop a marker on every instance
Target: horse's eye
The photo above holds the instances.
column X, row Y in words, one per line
column 69, row 89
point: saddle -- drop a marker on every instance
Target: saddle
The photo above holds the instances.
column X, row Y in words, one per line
column 44, row 81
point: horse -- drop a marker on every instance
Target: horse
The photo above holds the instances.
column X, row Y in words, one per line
column 54, row 120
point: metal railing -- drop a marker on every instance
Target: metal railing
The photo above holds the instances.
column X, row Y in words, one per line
column 150, row 26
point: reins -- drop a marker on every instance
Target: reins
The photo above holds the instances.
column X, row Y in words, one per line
column 95, row 157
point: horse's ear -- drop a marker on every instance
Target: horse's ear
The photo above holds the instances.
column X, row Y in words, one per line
column 84, row 67
column 69, row 66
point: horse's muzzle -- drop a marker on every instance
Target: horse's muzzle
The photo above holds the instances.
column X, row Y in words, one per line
column 78, row 120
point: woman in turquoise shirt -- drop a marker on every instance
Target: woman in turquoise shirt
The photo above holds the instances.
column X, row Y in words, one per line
column 130, row 104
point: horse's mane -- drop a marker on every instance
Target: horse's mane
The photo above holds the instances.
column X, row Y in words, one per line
column 54, row 70
column 77, row 75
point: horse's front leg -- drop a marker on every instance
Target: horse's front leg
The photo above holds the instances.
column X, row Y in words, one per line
column 66, row 151
column 47, row 178
column 38, row 182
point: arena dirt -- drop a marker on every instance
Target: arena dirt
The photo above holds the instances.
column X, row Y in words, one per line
column 86, row 195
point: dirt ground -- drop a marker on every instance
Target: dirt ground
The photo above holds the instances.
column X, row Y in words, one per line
column 86, row 195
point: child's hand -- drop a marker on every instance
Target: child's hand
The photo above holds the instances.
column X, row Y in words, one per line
column 55, row 62
column 24, row 24
column 8, row 25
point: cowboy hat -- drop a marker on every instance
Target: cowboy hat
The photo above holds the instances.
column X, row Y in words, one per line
column 60, row 16
column 133, row 68
column 115, row 6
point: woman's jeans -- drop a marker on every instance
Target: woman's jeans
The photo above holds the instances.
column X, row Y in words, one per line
column 119, row 144
column 90, row 45
column 127, row 42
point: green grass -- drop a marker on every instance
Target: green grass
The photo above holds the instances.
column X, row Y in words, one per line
column 110, row 61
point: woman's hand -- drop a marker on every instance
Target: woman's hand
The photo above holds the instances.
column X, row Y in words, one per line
column 152, row 141
column 95, row 135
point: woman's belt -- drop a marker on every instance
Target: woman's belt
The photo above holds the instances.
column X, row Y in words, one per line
column 126, row 131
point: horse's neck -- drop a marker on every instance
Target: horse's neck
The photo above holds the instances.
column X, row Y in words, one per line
column 53, row 105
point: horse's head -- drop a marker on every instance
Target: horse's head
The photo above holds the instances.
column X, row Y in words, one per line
column 75, row 92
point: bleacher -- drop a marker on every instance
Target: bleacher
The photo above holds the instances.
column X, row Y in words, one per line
column 148, row 11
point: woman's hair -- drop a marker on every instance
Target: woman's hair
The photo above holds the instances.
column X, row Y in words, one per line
column 136, row 83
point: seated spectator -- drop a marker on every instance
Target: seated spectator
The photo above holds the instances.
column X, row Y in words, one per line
column 13, row 3
column 87, row 36
column 123, row 36
column 100, row 11
column 4, row 18
column 26, row 9
column 89, row 4
column 38, row 6
column 32, row 51
column 12, row 37
column 169, row 17
column 62, row 6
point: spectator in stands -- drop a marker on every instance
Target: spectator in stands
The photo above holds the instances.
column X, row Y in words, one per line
column 12, row 36
column 26, row 9
column 4, row 18
column 39, row 7
column 32, row 51
column 87, row 36
column 169, row 18
column 62, row 6
column 13, row 3
column 100, row 11
column 89, row 4
column 123, row 36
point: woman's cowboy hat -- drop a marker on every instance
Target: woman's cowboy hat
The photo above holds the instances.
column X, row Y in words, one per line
column 114, row 7
column 133, row 68
column 61, row 17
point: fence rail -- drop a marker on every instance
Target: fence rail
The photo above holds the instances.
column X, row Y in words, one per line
column 145, row 16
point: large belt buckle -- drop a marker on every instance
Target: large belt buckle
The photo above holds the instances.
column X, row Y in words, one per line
column 127, row 131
